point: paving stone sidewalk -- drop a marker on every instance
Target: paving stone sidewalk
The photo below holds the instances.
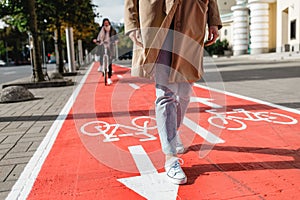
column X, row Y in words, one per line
column 23, row 126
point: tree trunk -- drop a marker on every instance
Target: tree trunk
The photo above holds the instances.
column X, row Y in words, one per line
column 59, row 46
column 60, row 52
column 37, row 58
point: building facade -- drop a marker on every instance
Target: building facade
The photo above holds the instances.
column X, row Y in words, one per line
column 261, row 26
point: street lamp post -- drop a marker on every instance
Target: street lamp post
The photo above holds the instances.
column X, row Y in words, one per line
column 30, row 42
column 6, row 53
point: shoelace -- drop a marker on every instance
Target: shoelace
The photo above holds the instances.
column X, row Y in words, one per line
column 178, row 162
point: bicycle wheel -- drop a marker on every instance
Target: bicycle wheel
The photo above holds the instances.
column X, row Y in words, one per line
column 105, row 67
column 227, row 123
column 140, row 122
column 276, row 118
column 95, row 128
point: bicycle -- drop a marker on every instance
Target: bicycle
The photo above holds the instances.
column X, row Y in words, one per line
column 105, row 63
column 140, row 126
column 105, row 60
column 230, row 121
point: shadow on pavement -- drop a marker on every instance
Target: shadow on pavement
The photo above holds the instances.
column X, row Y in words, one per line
column 196, row 170
column 253, row 74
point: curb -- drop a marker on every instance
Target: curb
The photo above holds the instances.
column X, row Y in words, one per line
column 44, row 84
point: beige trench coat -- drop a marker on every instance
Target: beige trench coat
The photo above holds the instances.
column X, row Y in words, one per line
column 154, row 17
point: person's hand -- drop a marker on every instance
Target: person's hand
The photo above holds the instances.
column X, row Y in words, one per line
column 135, row 36
column 213, row 34
column 95, row 40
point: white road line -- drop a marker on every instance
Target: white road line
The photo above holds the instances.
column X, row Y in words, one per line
column 24, row 184
column 134, row 86
column 9, row 73
column 142, row 160
column 202, row 132
column 119, row 76
column 249, row 99
column 125, row 135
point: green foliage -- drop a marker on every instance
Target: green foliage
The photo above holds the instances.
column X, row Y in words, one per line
column 2, row 49
column 217, row 48
column 15, row 41
column 125, row 44
column 78, row 14
column 51, row 16
column 12, row 13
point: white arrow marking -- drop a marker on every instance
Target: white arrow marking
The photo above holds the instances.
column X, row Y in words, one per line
column 202, row 132
column 205, row 101
column 151, row 184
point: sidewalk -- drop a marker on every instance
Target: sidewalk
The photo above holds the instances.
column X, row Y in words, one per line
column 23, row 126
column 274, row 56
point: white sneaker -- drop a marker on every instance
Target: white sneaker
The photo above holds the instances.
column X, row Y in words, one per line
column 179, row 146
column 174, row 172
column 100, row 68
column 109, row 81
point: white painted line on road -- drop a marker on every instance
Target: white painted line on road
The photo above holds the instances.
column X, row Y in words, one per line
column 150, row 184
column 125, row 135
column 202, row 132
column 119, row 76
column 9, row 73
column 134, row 86
column 249, row 99
column 24, row 184
column 142, row 160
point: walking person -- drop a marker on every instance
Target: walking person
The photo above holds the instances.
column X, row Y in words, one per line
column 107, row 36
column 169, row 37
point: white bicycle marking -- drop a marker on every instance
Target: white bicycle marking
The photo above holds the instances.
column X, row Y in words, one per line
column 109, row 130
column 231, row 116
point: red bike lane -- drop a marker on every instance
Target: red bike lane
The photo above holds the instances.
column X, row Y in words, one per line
column 108, row 147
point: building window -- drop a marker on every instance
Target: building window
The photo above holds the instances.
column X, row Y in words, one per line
column 293, row 29
column 225, row 32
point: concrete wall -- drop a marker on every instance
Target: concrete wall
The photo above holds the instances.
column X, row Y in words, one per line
column 281, row 14
column 287, row 11
column 225, row 6
column 227, row 27
column 272, row 27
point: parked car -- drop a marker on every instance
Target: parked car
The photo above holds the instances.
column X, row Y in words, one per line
column 51, row 61
column 125, row 56
column 2, row 63
column 23, row 62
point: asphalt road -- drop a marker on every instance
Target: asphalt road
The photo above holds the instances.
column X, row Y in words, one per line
column 12, row 73
column 272, row 81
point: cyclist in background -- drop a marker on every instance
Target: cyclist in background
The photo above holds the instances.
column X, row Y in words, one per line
column 108, row 35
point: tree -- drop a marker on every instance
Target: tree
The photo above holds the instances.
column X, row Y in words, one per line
column 14, row 45
column 30, row 9
column 31, row 15
column 60, row 14
column 125, row 43
column 22, row 14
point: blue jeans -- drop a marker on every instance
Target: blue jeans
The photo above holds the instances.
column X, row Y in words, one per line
column 172, row 99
